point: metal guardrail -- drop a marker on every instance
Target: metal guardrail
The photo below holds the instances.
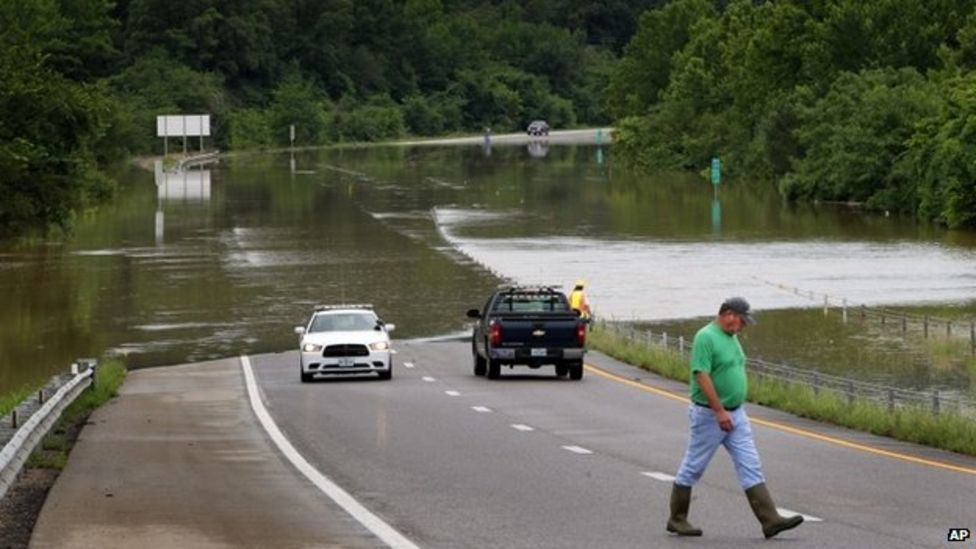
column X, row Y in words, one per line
column 29, row 434
column 200, row 159
column 850, row 390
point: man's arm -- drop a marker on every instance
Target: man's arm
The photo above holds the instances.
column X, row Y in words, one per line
column 721, row 415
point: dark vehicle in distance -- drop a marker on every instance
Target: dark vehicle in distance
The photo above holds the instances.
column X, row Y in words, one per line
column 530, row 326
column 538, row 128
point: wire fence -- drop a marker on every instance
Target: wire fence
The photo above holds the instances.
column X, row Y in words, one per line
column 849, row 390
column 925, row 325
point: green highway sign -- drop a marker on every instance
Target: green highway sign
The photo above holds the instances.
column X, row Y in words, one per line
column 716, row 171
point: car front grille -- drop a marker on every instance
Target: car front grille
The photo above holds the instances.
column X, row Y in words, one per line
column 345, row 350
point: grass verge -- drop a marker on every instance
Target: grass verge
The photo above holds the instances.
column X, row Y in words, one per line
column 54, row 449
column 10, row 400
column 948, row 431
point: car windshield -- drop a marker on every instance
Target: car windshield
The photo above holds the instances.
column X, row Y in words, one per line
column 343, row 322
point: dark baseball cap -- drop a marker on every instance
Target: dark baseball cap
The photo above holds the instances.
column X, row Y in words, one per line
column 739, row 306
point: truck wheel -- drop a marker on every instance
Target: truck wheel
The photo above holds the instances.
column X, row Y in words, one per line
column 562, row 369
column 494, row 369
column 576, row 370
column 479, row 365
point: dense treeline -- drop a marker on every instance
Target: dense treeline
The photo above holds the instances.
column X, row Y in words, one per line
column 81, row 81
column 870, row 101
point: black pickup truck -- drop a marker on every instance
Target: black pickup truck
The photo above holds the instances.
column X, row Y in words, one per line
column 531, row 326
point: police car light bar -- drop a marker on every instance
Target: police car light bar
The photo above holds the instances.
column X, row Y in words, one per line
column 343, row 306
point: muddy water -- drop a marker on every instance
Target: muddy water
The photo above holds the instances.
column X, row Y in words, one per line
column 227, row 260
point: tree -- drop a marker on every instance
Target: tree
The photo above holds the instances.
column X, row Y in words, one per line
column 855, row 136
column 942, row 157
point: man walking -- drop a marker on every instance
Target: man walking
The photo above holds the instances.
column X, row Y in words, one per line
column 716, row 417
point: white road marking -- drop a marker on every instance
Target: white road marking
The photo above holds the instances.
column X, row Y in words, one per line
column 521, row 427
column 452, row 393
column 577, row 450
column 788, row 513
column 372, row 522
column 482, row 409
column 663, row 477
column 428, row 379
column 408, row 364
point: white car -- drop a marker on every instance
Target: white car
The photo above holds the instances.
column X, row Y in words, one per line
column 343, row 340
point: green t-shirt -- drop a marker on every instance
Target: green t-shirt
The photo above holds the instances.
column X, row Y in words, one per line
column 720, row 356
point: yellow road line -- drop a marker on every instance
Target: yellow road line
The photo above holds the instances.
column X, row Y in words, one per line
column 794, row 430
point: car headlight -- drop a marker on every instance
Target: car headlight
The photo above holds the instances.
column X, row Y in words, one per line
column 379, row 346
column 311, row 348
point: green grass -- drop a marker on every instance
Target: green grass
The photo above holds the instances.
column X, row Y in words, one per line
column 54, row 449
column 948, row 431
column 10, row 400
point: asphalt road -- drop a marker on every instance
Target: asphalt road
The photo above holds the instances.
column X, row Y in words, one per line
column 561, row 137
column 453, row 460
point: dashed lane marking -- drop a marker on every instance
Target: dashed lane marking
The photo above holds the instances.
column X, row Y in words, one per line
column 788, row 513
column 452, row 393
column 428, row 379
column 481, row 409
column 577, row 450
column 364, row 516
column 663, row 477
column 522, row 427
column 408, row 364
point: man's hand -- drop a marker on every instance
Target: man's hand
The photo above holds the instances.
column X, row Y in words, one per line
column 724, row 420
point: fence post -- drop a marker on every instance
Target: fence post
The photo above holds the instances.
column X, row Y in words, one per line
column 40, row 396
column 948, row 329
column 904, row 325
column 935, row 402
column 891, row 400
column 664, row 339
column 826, row 304
column 882, row 318
column 13, row 418
column 850, row 392
column 972, row 338
column 845, row 311
column 816, row 383
column 863, row 314
column 681, row 345
column 925, row 325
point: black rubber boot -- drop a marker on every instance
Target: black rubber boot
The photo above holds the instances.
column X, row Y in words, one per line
column 765, row 510
column 680, row 501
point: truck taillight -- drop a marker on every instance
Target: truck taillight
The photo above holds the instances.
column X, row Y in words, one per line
column 495, row 334
column 581, row 334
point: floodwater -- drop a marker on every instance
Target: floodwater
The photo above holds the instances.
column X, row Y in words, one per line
column 224, row 261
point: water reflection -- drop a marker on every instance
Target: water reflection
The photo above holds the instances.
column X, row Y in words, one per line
column 538, row 148
column 185, row 186
column 716, row 217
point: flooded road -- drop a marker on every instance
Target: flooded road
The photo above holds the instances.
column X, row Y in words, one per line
column 222, row 261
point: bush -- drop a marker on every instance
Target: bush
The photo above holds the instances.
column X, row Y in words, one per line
column 370, row 123
column 248, row 129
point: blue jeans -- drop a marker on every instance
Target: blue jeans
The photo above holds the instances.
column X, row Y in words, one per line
column 704, row 438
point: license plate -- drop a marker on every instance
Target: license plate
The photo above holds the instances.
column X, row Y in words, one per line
column 538, row 352
column 345, row 362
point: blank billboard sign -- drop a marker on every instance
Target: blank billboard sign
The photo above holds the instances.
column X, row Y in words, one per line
column 180, row 125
